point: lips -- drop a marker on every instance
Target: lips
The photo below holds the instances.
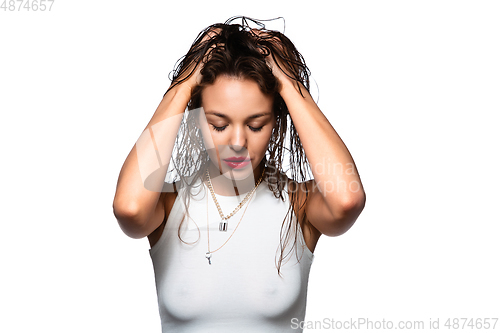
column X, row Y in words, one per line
column 237, row 162
column 237, row 159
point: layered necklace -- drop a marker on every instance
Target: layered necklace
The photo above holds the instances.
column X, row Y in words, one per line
column 224, row 223
column 224, row 219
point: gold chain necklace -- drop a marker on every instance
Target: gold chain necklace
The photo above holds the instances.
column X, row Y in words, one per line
column 208, row 255
column 223, row 223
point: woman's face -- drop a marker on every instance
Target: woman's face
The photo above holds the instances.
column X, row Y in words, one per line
column 240, row 121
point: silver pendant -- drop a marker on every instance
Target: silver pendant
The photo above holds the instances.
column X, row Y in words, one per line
column 208, row 255
column 223, row 225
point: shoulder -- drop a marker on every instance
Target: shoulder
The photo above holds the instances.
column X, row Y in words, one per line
column 297, row 192
column 300, row 194
column 165, row 203
column 168, row 197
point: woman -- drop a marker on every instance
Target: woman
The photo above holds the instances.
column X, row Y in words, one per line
column 232, row 236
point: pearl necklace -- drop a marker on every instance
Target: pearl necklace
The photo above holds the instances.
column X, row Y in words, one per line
column 223, row 223
column 208, row 255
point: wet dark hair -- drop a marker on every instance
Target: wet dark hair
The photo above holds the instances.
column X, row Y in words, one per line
column 235, row 50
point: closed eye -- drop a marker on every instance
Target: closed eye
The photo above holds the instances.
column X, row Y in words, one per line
column 253, row 129
column 219, row 129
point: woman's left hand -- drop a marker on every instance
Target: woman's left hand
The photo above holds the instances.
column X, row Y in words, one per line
column 278, row 71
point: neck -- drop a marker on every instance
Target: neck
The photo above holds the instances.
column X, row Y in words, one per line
column 231, row 187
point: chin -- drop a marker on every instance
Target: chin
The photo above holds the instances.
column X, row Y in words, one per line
column 236, row 174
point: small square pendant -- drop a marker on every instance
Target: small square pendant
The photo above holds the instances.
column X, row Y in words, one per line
column 223, row 226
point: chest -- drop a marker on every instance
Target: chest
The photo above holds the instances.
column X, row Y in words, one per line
column 242, row 278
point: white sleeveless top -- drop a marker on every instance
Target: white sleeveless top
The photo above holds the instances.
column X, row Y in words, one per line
column 241, row 290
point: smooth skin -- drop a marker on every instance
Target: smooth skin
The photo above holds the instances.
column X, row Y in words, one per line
column 229, row 105
column 240, row 121
column 331, row 209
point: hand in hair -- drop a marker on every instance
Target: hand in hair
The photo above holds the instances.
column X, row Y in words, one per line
column 281, row 69
column 190, row 75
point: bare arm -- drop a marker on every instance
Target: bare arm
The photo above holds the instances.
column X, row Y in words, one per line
column 142, row 176
column 143, row 173
column 337, row 195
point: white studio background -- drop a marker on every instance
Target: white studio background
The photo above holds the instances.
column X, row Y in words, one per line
column 411, row 87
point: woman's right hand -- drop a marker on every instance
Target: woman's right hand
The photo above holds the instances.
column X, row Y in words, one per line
column 195, row 79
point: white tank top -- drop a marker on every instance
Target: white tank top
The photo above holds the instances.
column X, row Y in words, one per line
column 241, row 290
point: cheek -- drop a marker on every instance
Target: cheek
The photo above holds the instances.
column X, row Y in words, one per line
column 210, row 145
column 262, row 142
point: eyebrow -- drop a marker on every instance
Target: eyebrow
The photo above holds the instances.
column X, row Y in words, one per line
column 222, row 115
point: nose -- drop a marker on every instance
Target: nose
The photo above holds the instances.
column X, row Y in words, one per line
column 238, row 140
